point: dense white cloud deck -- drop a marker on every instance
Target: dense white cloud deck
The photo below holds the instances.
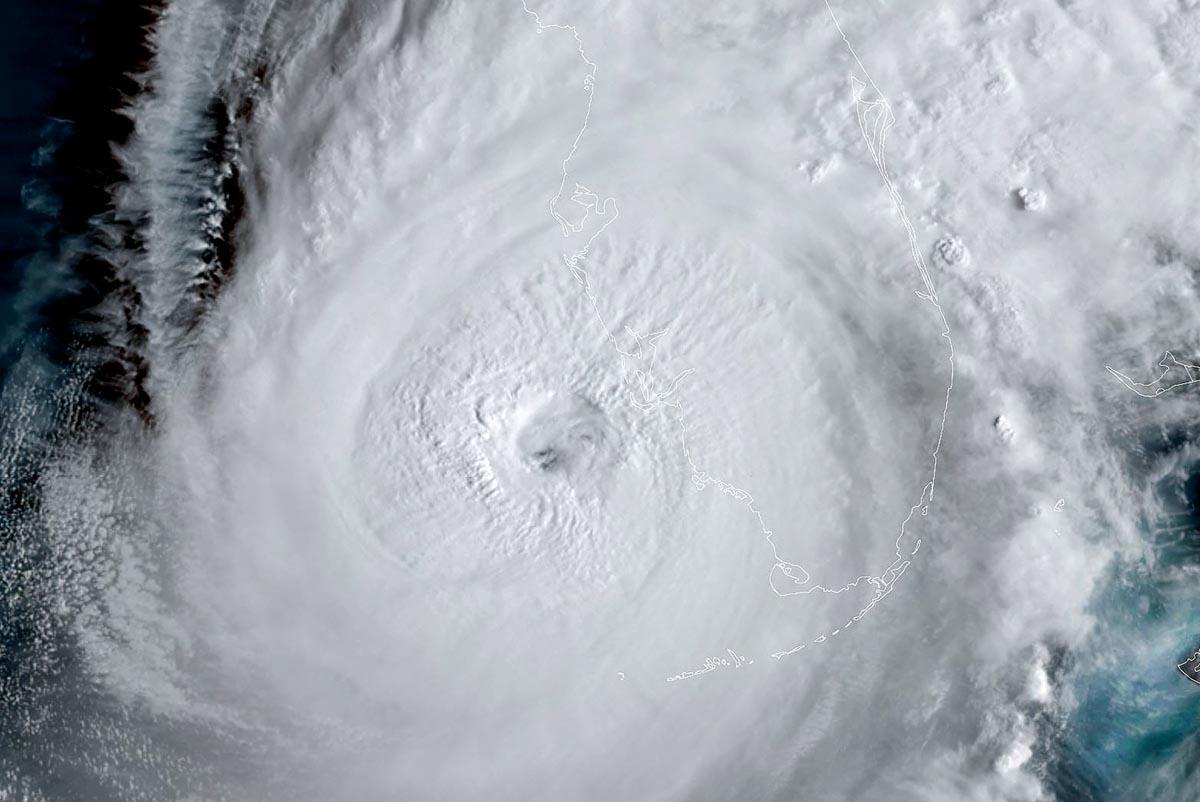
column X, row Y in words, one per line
column 578, row 350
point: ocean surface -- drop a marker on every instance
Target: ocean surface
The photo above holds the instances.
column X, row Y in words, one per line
column 44, row 50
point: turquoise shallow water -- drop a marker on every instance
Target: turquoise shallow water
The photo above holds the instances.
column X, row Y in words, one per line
column 1132, row 732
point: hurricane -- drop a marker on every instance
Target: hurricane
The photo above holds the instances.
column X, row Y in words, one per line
column 577, row 400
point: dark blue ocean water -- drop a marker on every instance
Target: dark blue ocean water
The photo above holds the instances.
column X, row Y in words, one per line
column 43, row 46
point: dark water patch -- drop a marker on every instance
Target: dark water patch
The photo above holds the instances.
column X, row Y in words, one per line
column 63, row 291
column 68, row 66
column 81, row 291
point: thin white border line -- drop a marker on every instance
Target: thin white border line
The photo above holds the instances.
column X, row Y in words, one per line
column 875, row 119
column 1167, row 363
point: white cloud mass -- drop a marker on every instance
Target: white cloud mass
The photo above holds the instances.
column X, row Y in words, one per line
column 466, row 489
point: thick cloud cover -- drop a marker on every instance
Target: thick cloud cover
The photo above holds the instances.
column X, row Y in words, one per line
column 568, row 427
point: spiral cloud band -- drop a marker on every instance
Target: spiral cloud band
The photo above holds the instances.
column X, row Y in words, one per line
column 610, row 401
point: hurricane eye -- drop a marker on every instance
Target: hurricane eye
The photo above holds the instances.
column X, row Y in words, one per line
column 545, row 459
